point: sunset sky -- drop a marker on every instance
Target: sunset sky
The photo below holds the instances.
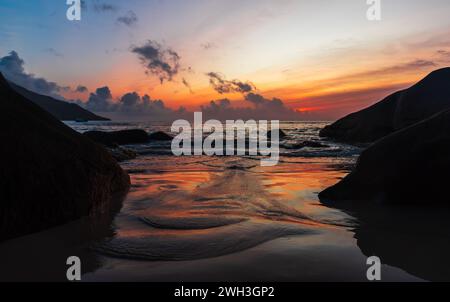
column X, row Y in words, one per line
column 321, row 58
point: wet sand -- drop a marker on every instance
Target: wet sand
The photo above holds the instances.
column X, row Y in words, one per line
column 211, row 219
column 228, row 219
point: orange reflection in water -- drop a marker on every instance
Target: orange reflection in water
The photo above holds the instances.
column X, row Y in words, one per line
column 297, row 184
column 190, row 192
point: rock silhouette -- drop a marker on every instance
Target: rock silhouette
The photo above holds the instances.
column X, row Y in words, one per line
column 397, row 111
column 51, row 175
column 409, row 166
column 160, row 136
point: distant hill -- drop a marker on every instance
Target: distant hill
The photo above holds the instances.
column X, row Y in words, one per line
column 63, row 111
column 397, row 111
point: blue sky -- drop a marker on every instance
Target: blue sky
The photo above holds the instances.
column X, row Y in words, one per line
column 285, row 47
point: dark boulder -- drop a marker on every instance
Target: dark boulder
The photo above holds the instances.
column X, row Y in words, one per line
column 408, row 166
column 50, row 174
column 124, row 137
column 122, row 154
column 160, row 136
column 399, row 110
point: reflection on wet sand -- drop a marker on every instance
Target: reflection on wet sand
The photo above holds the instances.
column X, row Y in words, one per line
column 42, row 257
column 413, row 238
column 201, row 209
column 227, row 219
column 222, row 219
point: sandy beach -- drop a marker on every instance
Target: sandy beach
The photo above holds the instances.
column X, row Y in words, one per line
column 214, row 219
column 229, row 220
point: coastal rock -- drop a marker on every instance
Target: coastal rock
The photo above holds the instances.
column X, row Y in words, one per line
column 408, row 166
column 124, row 137
column 399, row 110
column 122, row 154
column 160, row 136
column 51, row 175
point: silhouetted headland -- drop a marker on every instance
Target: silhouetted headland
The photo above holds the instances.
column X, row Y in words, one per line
column 63, row 111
